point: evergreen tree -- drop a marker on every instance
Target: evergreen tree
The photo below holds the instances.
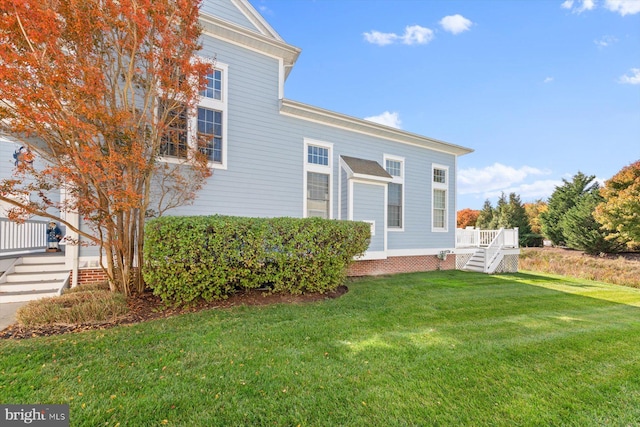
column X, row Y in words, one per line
column 583, row 232
column 502, row 214
column 519, row 217
column 486, row 216
column 564, row 198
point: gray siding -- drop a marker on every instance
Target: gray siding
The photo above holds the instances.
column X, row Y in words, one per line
column 368, row 205
column 7, row 165
column 224, row 9
column 265, row 169
column 344, row 197
column 6, row 158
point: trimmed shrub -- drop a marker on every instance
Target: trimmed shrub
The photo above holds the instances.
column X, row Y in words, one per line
column 191, row 258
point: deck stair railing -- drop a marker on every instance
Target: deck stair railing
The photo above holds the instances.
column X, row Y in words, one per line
column 493, row 252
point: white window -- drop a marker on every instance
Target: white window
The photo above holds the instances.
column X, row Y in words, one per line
column 439, row 175
column 317, row 179
column 208, row 123
column 439, row 197
column 395, row 194
column 213, row 88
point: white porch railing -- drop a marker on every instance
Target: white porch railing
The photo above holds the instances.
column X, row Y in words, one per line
column 476, row 238
column 22, row 238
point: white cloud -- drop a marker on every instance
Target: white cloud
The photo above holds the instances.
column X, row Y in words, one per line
column 605, row 41
column 548, row 80
column 578, row 6
column 381, row 39
column 496, row 177
column 387, row 119
column 416, row 34
column 568, row 4
column 413, row 34
column 455, row 24
column 633, row 79
column 623, row 7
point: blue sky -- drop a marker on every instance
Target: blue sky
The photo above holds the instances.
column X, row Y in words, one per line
column 539, row 89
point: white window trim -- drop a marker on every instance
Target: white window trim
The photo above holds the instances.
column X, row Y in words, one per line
column 311, row 167
column 397, row 180
column 440, row 186
column 212, row 104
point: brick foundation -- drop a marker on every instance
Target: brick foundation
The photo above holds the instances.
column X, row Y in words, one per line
column 401, row 264
column 92, row 275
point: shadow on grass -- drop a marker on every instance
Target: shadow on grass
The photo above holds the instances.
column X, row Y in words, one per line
column 579, row 287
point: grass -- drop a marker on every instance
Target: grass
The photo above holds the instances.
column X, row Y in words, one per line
column 614, row 270
column 441, row 348
column 83, row 304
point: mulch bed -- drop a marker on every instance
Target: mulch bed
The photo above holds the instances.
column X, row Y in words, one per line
column 146, row 306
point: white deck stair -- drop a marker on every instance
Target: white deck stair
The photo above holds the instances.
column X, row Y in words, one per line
column 34, row 277
column 476, row 262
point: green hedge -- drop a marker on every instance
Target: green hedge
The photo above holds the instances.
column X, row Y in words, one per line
column 191, row 258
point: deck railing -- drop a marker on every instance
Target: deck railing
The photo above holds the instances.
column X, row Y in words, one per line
column 22, row 238
column 476, row 238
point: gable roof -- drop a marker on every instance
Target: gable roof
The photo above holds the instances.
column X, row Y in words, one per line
column 262, row 37
column 256, row 19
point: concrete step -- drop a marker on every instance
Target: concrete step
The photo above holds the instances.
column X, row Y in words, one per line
column 42, row 286
column 36, row 268
column 473, row 268
column 21, row 296
column 37, row 276
column 54, row 258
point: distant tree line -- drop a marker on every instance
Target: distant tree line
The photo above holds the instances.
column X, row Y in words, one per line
column 580, row 214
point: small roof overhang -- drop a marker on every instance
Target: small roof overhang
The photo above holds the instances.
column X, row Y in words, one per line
column 368, row 170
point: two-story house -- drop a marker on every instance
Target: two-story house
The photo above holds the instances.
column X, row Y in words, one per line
column 273, row 156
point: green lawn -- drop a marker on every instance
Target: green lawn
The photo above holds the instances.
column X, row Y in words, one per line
column 441, row 348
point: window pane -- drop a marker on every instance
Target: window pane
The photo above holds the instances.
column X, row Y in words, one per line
column 317, row 155
column 317, row 195
column 440, row 176
column 394, row 205
column 210, row 133
column 394, row 167
column 174, row 140
column 439, row 208
column 213, row 86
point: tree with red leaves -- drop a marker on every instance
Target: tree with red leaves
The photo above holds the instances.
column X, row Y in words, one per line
column 620, row 211
column 467, row 218
column 92, row 88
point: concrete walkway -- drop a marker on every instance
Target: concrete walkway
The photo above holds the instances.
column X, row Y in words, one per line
column 8, row 313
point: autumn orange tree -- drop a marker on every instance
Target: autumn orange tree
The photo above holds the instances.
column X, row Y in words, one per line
column 533, row 211
column 467, row 218
column 620, row 211
column 96, row 89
